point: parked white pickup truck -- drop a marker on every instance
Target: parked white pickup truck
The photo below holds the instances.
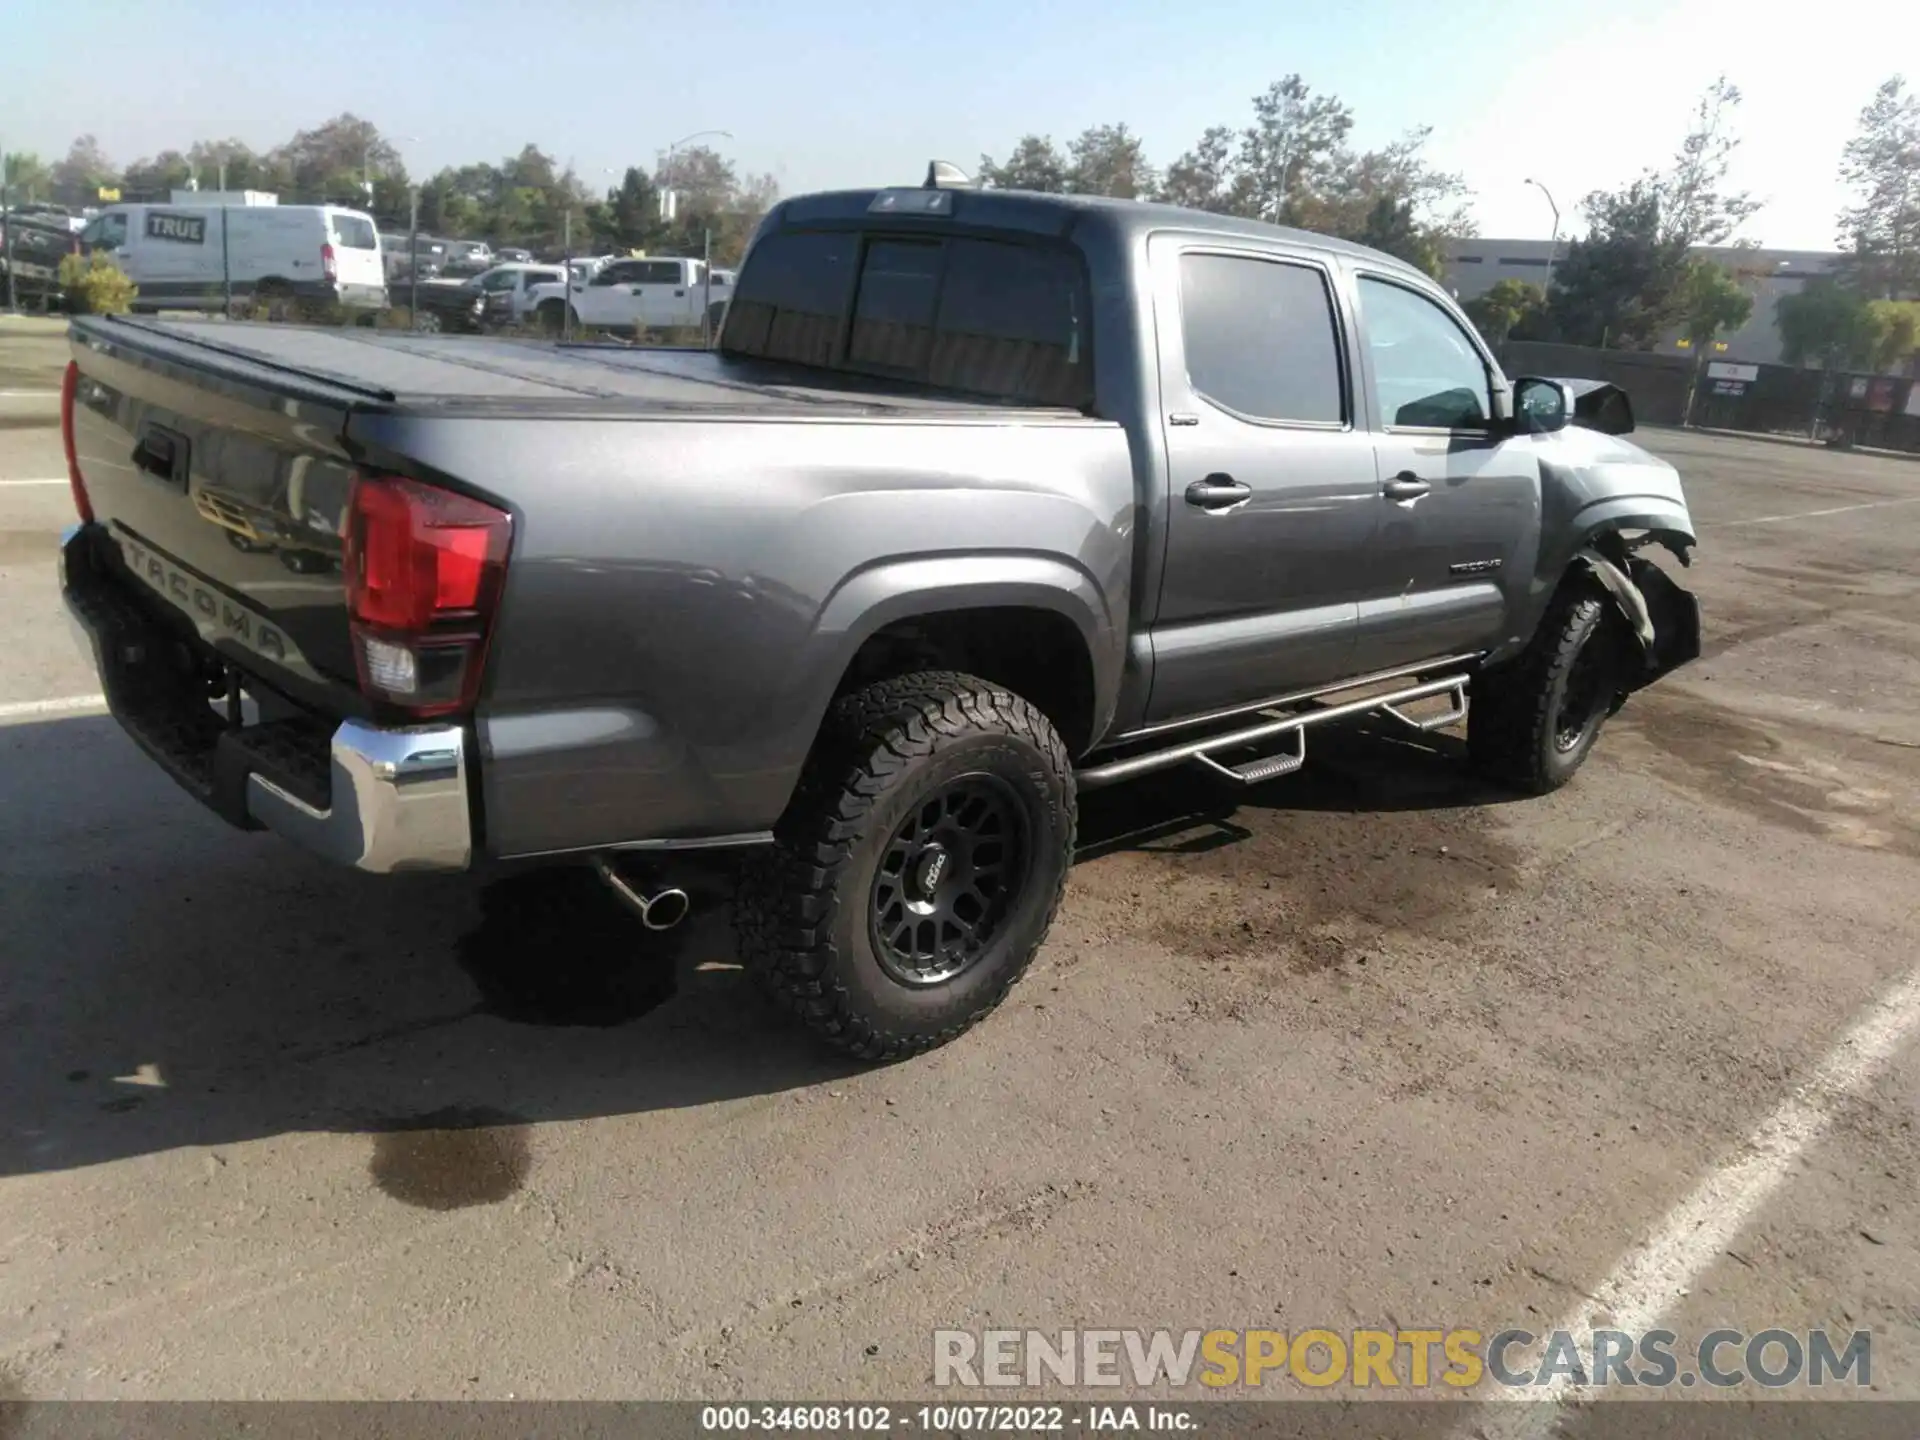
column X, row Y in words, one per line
column 658, row 294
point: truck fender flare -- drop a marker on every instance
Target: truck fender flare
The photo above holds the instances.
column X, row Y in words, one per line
column 1626, row 595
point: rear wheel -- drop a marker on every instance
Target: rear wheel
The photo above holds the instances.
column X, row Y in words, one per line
column 1534, row 721
column 427, row 322
column 918, row 867
column 552, row 316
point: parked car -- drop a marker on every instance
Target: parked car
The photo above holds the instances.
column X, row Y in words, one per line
column 653, row 294
column 188, row 256
column 512, row 255
column 509, row 291
column 983, row 500
column 453, row 306
column 40, row 243
column 425, row 256
column 474, row 254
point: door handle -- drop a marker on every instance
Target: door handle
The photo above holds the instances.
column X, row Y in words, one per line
column 1218, row 492
column 162, row 454
column 1405, row 486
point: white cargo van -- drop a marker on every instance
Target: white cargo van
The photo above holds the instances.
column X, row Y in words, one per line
column 183, row 256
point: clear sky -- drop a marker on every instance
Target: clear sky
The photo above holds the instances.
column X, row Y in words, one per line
column 834, row 92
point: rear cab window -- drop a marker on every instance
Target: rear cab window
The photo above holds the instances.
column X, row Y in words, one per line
column 1002, row 319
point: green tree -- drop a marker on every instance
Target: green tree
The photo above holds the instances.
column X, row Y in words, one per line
column 1623, row 283
column 1894, row 328
column 1110, row 160
column 1712, row 300
column 1619, row 284
column 157, row 178
column 1294, row 146
column 1881, row 166
column 77, row 179
column 1202, row 178
column 333, row 161
column 1504, row 307
column 633, row 211
column 1696, row 208
column 1827, row 324
column 26, row 177
column 1034, row 164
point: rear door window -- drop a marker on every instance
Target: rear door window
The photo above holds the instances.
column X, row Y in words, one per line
column 1260, row 338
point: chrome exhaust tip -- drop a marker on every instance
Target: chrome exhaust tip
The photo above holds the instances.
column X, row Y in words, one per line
column 661, row 910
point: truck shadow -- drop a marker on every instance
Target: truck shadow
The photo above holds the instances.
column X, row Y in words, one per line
column 172, row 983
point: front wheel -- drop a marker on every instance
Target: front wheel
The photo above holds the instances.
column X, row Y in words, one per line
column 918, row 867
column 1533, row 722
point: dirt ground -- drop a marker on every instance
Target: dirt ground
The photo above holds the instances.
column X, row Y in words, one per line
column 1371, row 1046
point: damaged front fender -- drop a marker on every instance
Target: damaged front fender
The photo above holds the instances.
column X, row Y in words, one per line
column 1664, row 619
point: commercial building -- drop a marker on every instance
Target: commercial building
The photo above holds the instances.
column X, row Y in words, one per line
column 1475, row 264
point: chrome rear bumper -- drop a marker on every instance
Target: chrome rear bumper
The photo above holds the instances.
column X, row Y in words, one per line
column 399, row 801
column 378, row 798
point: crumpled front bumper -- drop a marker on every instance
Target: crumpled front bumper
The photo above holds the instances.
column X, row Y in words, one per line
column 378, row 798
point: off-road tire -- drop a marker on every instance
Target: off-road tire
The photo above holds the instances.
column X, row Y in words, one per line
column 1517, row 725
column 804, row 916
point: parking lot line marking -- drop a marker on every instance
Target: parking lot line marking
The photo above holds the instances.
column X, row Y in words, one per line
column 54, row 480
column 66, row 705
column 1816, row 514
column 1692, row 1235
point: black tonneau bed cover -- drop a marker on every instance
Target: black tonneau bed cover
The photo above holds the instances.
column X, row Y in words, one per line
column 383, row 369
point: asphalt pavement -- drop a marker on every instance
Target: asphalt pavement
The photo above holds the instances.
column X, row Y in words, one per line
column 1370, row 1046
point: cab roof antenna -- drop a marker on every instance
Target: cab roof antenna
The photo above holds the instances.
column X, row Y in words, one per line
column 944, row 175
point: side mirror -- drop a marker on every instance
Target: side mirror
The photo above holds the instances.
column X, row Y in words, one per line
column 1603, row 407
column 1541, row 406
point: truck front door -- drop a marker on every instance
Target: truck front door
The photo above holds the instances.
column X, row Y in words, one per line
column 1459, row 498
column 610, row 297
column 1272, row 493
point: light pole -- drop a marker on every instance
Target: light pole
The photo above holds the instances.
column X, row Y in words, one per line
column 1553, row 245
column 667, row 205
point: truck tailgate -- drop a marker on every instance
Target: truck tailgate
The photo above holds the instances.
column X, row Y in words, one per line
column 222, row 493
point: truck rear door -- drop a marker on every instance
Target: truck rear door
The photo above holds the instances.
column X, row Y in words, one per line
column 1273, row 498
column 663, row 292
column 356, row 250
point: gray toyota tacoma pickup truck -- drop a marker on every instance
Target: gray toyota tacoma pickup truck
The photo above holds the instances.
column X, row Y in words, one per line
column 981, row 499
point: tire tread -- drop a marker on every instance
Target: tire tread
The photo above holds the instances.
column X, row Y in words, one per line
column 784, row 913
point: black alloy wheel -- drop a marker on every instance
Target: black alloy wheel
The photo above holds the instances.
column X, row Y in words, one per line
column 949, row 877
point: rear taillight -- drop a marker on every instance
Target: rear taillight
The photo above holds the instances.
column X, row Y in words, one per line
column 328, row 266
column 424, row 568
column 69, row 390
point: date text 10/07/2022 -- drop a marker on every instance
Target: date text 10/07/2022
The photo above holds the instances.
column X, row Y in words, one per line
column 947, row 1419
